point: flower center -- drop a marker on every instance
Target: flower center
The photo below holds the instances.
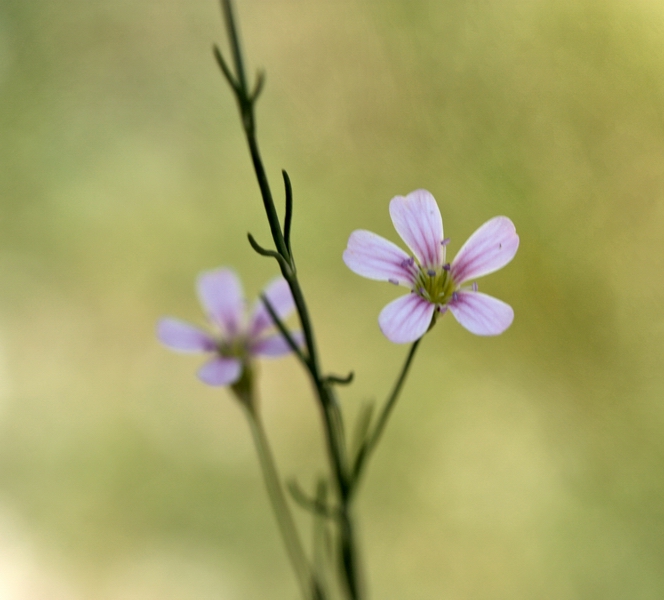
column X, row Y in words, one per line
column 435, row 285
column 236, row 347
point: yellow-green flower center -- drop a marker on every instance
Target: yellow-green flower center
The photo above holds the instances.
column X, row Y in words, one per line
column 436, row 286
column 237, row 347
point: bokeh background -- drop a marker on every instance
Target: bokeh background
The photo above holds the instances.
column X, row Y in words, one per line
column 525, row 466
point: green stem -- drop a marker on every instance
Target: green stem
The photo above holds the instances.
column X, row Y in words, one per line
column 234, row 38
column 308, row 585
column 332, row 419
column 372, row 440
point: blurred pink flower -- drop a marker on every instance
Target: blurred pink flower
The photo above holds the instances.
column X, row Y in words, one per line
column 435, row 284
column 239, row 339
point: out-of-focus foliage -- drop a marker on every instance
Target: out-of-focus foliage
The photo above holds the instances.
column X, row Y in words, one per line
column 525, row 466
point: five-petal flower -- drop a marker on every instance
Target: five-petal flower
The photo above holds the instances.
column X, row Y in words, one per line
column 239, row 339
column 435, row 284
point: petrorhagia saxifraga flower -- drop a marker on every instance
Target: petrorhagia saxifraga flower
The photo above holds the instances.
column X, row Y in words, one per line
column 238, row 339
column 435, row 284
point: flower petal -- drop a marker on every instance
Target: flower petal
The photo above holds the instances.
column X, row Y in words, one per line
column 417, row 220
column 279, row 296
column 406, row 319
column 481, row 314
column 220, row 293
column 374, row 257
column 220, row 371
column 490, row 248
column 183, row 337
column 275, row 345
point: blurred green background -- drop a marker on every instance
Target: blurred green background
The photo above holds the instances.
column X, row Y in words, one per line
column 525, row 466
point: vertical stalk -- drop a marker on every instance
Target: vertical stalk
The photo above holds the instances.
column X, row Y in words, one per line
column 294, row 549
column 372, row 439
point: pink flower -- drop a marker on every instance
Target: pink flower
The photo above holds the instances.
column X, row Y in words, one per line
column 435, row 284
column 239, row 339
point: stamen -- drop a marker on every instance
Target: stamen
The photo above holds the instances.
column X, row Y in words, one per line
column 445, row 242
column 442, row 309
column 474, row 286
column 446, row 267
column 421, row 290
column 455, row 296
column 407, row 262
column 431, row 273
column 393, row 281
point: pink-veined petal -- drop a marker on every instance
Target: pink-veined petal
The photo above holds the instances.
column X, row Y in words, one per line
column 183, row 337
column 490, row 248
column 374, row 257
column 275, row 345
column 417, row 219
column 220, row 371
column 220, row 293
column 280, row 298
column 481, row 314
column 406, row 319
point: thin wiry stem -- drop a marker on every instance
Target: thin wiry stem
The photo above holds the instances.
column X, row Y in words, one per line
column 288, row 217
column 234, row 38
column 245, row 100
column 372, row 439
column 332, row 418
column 283, row 330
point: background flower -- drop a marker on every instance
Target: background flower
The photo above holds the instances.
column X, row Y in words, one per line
column 237, row 339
